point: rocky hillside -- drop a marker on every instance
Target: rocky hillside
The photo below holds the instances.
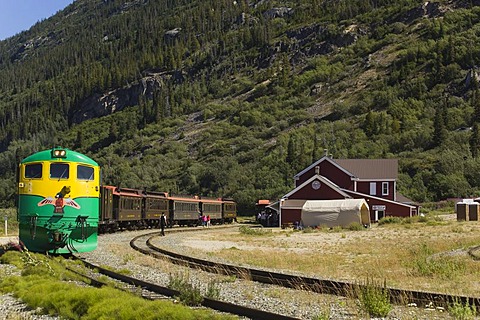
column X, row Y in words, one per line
column 232, row 98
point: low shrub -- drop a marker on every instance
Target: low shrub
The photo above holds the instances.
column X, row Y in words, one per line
column 355, row 226
column 389, row 220
column 336, row 229
column 308, row 230
column 254, row 231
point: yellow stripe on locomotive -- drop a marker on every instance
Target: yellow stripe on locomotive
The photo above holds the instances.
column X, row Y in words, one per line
column 58, row 201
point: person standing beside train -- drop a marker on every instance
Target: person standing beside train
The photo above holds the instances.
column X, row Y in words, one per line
column 163, row 223
column 208, row 221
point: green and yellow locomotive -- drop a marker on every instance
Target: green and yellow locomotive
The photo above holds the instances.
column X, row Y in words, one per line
column 58, row 201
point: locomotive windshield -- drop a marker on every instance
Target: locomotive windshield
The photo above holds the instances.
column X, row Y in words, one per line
column 59, row 171
column 33, row 171
column 84, row 173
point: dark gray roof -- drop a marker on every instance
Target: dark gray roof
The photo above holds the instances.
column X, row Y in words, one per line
column 370, row 168
column 401, row 198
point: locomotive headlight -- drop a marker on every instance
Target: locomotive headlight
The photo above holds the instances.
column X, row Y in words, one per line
column 59, row 153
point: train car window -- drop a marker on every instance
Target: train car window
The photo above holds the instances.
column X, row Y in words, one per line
column 230, row 207
column 158, row 204
column 85, row 173
column 33, row 171
column 186, row 206
column 59, row 171
column 212, row 207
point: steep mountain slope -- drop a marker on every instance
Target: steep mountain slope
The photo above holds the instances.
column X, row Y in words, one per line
column 232, row 98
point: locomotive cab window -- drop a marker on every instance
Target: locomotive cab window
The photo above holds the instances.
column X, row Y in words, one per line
column 33, row 171
column 59, row 171
column 85, row 173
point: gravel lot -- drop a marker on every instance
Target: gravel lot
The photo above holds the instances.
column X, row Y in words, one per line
column 114, row 251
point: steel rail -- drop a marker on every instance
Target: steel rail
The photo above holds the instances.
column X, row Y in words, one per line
column 218, row 305
column 318, row 285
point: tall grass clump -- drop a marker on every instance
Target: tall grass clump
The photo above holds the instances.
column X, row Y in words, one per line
column 462, row 311
column 373, row 299
column 323, row 315
column 189, row 293
column 213, row 290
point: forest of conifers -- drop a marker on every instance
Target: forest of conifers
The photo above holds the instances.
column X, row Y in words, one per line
column 248, row 93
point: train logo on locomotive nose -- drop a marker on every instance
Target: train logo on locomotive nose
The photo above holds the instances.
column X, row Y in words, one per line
column 59, row 202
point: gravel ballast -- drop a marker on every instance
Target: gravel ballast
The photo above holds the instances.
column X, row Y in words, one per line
column 114, row 251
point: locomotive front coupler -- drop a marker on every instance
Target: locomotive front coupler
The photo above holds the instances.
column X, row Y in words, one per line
column 57, row 238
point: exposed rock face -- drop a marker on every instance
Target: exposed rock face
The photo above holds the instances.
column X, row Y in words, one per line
column 173, row 33
column 471, row 74
column 427, row 10
column 320, row 33
column 278, row 12
column 30, row 45
column 99, row 105
column 311, row 41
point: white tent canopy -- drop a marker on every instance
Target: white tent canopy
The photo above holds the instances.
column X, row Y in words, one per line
column 332, row 213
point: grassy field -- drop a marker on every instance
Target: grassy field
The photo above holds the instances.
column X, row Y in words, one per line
column 422, row 253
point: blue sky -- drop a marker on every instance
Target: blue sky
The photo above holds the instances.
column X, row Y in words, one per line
column 20, row 15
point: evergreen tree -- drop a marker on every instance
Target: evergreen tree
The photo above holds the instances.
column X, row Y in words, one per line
column 475, row 102
column 439, row 127
column 315, row 150
column 369, row 124
column 79, row 140
column 291, row 150
column 113, row 133
column 475, row 140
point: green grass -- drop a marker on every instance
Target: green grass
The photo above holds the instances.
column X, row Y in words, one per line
column 255, row 231
column 427, row 264
column 462, row 311
column 41, row 286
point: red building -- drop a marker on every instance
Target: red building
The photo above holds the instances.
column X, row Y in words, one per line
column 327, row 179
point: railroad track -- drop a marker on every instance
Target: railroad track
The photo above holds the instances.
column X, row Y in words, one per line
column 153, row 291
column 144, row 244
column 474, row 253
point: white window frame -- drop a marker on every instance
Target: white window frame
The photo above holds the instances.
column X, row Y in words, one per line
column 373, row 188
column 385, row 188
